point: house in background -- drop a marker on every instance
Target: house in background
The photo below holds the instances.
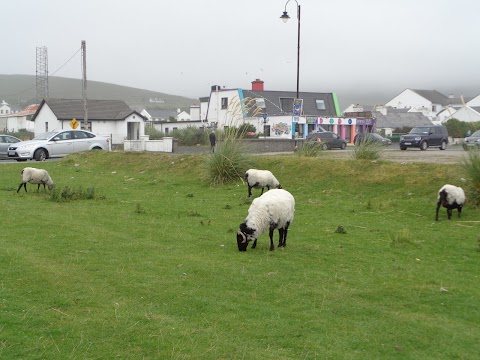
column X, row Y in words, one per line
column 387, row 118
column 106, row 117
column 271, row 112
column 167, row 121
column 22, row 119
column 429, row 102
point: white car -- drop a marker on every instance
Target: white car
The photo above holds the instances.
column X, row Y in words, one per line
column 5, row 142
column 55, row 144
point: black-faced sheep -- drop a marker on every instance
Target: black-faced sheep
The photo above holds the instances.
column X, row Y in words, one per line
column 260, row 179
column 450, row 197
column 273, row 210
column 35, row 176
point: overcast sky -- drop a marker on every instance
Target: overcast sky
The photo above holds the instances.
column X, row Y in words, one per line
column 183, row 47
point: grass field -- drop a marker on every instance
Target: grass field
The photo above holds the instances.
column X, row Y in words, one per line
column 150, row 269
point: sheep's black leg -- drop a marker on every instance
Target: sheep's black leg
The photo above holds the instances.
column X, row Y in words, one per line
column 285, row 231
column 459, row 211
column 22, row 184
column 38, row 188
column 262, row 191
column 254, row 245
column 438, row 207
column 249, row 191
column 449, row 213
column 271, row 238
column 281, row 235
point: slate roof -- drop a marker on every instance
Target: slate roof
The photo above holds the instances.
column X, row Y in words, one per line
column 161, row 114
column 273, row 104
column 104, row 110
column 397, row 118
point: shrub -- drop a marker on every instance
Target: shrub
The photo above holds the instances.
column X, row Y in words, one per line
column 309, row 149
column 191, row 136
column 68, row 194
column 153, row 133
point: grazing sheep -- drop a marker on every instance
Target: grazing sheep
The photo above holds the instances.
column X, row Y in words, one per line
column 35, row 176
column 450, row 197
column 260, row 179
column 273, row 210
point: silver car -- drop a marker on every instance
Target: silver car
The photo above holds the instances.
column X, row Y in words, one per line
column 5, row 142
column 472, row 141
column 57, row 144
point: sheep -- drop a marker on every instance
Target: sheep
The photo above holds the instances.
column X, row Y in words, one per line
column 35, row 176
column 272, row 210
column 450, row 197
column 260, row 179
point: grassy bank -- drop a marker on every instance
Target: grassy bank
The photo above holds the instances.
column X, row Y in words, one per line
column 150, row 269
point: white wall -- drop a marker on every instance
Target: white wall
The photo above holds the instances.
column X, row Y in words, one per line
column 46, row 116
column 466, row 114
column 232, row 116
column 475, row 101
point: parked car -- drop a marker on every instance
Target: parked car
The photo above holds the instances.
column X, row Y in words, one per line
column 472, row 141
column 5, row 142
column 424, row 137
column 371, row 138
column 326, row 140
column 55, row 144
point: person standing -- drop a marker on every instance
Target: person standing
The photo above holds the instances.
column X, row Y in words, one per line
column 213, row 140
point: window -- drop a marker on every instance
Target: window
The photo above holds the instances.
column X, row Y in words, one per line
column 46, row 126
column 224, row 103
column 286, row 105
column 320, row 104
column 166, row 131
column 434, row 108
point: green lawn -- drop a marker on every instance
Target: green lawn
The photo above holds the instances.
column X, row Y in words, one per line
column 150, row 269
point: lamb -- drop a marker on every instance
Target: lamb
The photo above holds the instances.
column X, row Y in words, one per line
column 450, row 197
column 260, row 179
column 272, row 210
column 35, row 176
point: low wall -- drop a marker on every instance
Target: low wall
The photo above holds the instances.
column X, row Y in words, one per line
column 164, row 145
column 268, row 145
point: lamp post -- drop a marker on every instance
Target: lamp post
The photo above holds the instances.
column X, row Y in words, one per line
column 285, row 18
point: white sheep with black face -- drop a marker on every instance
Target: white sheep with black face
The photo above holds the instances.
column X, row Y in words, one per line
column 273, row 210
column 450, row 197
column 260, row 179
column 35, row 176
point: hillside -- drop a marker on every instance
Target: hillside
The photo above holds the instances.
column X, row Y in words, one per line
column 19, row 90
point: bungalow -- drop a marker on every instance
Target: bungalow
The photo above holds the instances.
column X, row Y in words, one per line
column 106, row 117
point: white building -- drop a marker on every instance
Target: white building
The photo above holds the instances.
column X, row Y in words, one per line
column 106, row 117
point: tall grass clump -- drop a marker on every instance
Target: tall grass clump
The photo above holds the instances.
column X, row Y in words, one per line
column 68, row 194
column 367, row 150
column 471, row 165
column 228, row 163
column 309, row 149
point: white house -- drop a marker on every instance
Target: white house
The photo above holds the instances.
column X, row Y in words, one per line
column 4, row 108
column 15, row 121
column 106, row 117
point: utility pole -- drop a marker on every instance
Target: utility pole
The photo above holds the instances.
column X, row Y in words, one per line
column 84, row 84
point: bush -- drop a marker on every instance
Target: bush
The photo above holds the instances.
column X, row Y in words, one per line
column 23, row 134
column 191, row 136
column 154, row 133
column 309, row 149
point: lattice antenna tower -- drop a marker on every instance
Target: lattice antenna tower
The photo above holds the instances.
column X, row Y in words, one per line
column 42, row 73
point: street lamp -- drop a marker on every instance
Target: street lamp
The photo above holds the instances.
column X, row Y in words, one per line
column 285, row 18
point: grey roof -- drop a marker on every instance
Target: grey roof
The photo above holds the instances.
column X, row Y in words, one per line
column 67, row 109
column 273, row 104
column 161, row 113
column 397, row 119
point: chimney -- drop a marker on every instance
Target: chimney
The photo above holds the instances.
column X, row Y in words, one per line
column 257, row 85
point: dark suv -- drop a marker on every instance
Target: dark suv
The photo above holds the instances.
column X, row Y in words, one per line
column 424, row 137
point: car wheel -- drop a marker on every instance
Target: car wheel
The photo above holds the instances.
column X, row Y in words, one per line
column 443, row 146
column 324, row 147
column 403, row 147
column 40, row 155
column 343, row 146
column 423, row 145
column 21, row 159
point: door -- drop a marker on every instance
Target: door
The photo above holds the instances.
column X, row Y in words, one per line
column 81, row 141
column 61, row 144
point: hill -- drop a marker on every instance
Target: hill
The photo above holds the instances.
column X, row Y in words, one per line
column 19, row 90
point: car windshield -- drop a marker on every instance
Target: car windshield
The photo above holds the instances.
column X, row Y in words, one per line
column 45, row 136
column 476, row 134
column 419, row 130
column 376, row 136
